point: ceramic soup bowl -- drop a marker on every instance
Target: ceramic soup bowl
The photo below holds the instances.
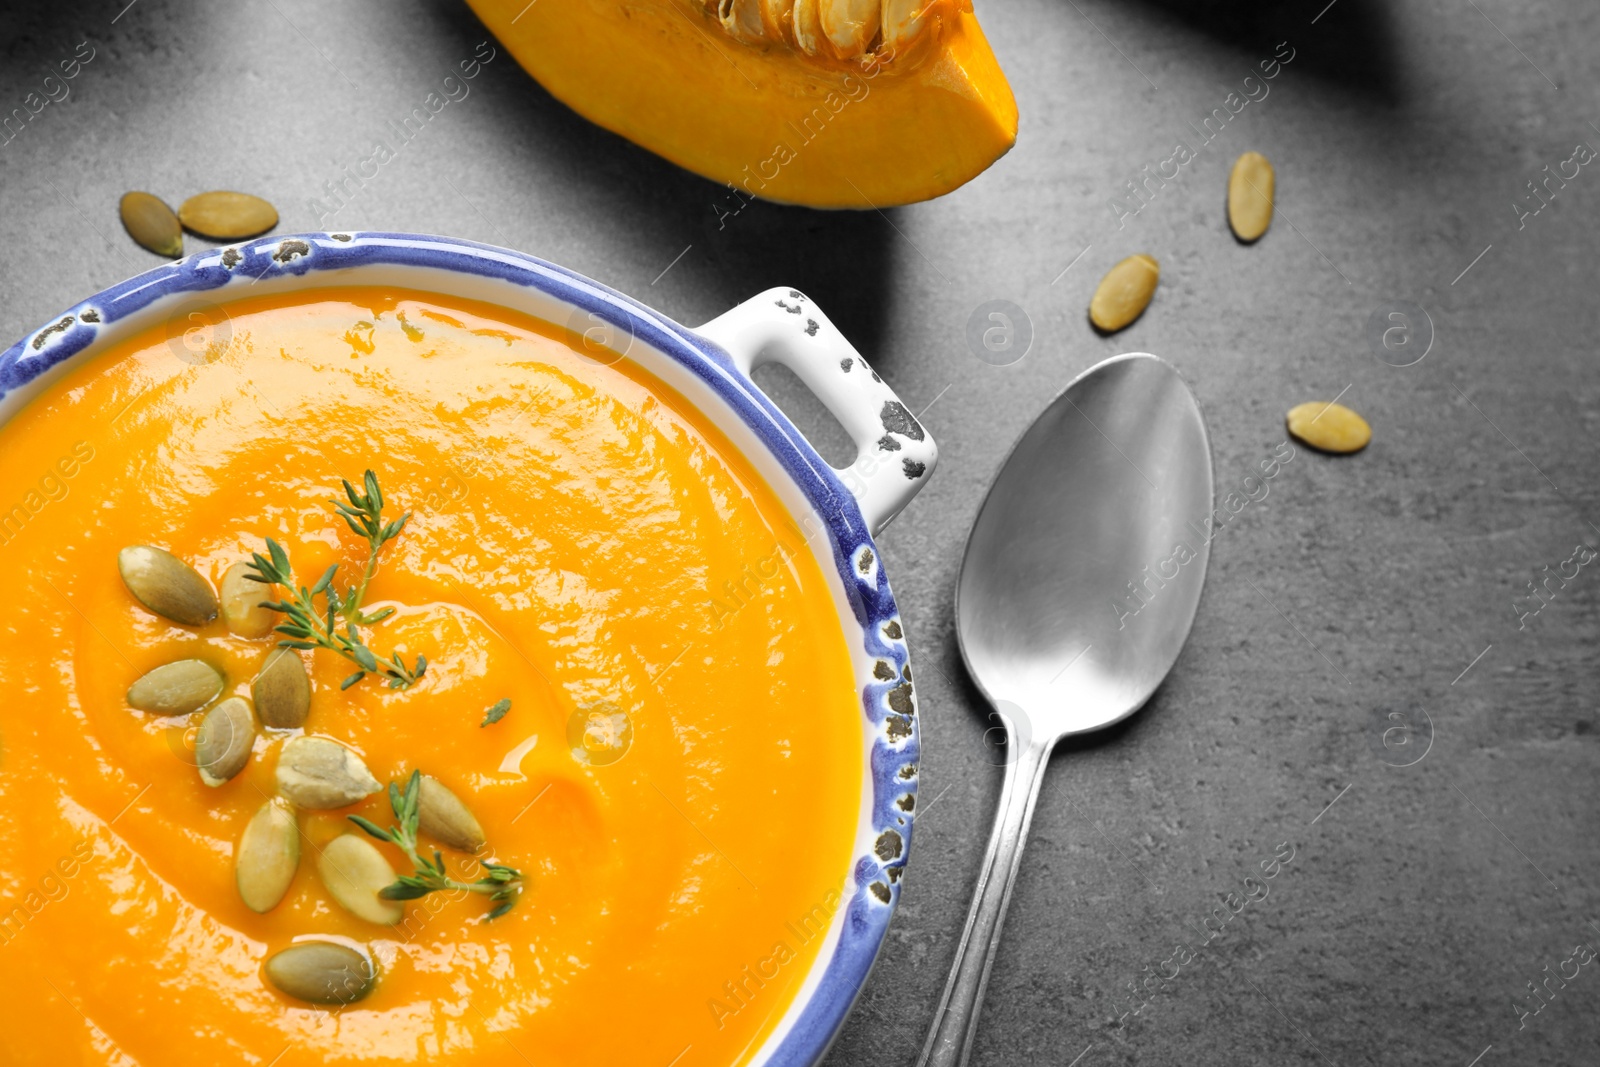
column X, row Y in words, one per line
column 839, row 510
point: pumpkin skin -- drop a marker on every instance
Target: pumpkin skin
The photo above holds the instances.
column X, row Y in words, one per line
column 889, row 127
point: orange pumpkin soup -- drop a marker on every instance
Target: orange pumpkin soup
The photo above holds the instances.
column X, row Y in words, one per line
column 569, row 524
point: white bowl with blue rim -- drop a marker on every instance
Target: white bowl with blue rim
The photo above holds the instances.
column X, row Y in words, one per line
column 840, row 510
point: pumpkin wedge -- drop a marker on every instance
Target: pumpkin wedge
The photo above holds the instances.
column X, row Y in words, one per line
column 827, row 103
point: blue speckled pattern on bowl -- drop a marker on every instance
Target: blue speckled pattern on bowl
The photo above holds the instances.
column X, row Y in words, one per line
column 870, row 890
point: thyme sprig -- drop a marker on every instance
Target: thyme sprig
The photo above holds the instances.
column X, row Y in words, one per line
column 502, row 885
column 364, row 515
column 305, row 626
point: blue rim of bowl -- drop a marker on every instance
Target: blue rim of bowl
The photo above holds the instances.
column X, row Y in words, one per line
column 889, row 703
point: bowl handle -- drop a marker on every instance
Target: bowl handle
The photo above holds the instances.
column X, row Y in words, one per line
column 894, row 454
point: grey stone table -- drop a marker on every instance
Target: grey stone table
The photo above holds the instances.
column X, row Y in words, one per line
column 1351, row 600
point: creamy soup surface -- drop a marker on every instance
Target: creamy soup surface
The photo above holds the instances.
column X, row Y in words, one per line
column 582, row 543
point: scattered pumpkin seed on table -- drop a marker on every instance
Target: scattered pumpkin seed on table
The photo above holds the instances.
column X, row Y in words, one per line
column 176, row 688
column 322, row 972
column 1252, row 187
column 151, row 222
column 227, row 216
column 353, row 870
column 1328, row 427
column 242, row 598
column 223, row 745
column 167, row 585
column 267, row 856
column 282, row 691
column 1124, row 293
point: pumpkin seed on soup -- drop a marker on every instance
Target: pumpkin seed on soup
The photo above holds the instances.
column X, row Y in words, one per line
column 223, row 745
column 1124, row 293
column 1329, row 427
column 442, row 816
column 227, row 216
column 151, row 222
column 242, row 597
column 322, row 972
column 1251, row 188
column 314, row 772
column 167, row 585
column 354, row 871
column 282, row 691
column 176, row 688
column 267, row 856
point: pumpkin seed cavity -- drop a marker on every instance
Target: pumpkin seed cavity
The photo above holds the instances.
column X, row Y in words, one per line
column 833, row 29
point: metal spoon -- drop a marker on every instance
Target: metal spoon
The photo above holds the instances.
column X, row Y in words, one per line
column 1080, row 581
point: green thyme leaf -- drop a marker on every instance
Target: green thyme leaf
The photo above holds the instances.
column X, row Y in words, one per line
column 305, row 626
column 503, row 886
column 496, row 712
column 372, row 828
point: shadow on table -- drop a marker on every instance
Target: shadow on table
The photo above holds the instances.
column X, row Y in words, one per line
column 1351, row 45
column 712, row 247
column 839, row 258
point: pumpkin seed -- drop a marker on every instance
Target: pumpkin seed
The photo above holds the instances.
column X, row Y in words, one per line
column 442, row 816
column 741, row 19
column 777, row 16
column 167, row 585
column 223, row 744
column 151, row 222
column 903, row 22
column 225, row 216
column 267, row 856
column 1251, row 188
column 1124, row 293
column 841, row 29
column 176, row 688
column 354, row 871
column 322, row 972
column 1329, row 427
column 850, row 25
column 837, row 29
column 241, row 598
column 314, row 772
column 282, row 691
column 808, row 36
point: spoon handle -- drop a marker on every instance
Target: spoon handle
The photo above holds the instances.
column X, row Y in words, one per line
column 955, row 1023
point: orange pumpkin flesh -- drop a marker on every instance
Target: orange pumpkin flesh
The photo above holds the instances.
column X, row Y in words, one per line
column 873, row 131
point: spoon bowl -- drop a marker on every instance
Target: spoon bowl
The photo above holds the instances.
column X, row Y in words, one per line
column 1083, row 569
column 1079, row 584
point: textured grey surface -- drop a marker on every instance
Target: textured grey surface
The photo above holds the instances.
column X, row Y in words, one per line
column 1415, row 908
